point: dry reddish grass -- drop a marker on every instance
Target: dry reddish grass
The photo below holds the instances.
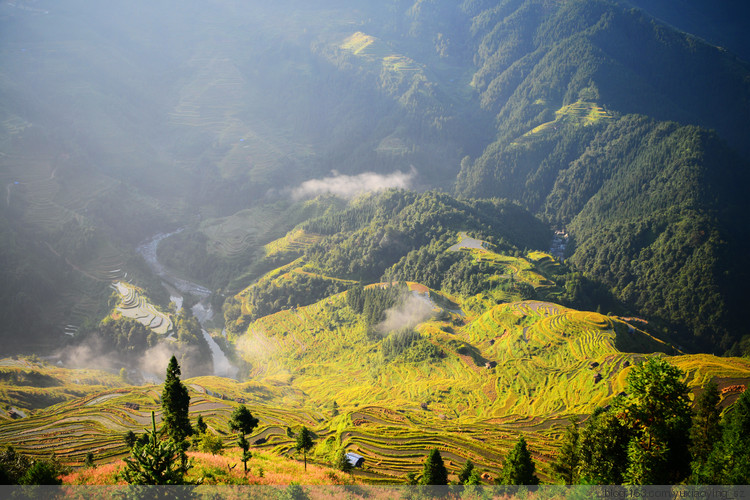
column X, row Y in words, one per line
column 263, row 469
column 100, row 475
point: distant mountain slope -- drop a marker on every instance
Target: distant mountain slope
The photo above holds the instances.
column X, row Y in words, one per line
column 721, row 23
column 613, row 173
column 378, row 236
column 540, row 55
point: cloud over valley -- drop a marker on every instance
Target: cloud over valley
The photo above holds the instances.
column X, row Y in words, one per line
column 349, row 186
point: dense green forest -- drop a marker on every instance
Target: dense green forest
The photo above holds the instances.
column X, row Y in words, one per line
column 394, row 235
column 402, row 222
column 646, row 201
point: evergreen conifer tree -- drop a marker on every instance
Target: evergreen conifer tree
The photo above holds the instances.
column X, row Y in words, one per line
column 518, row 467
column 130, row 438
column 201, row 425
column 175, row 403
column 434, row 472
column 243, row 422
column 342, row 463
column 729, row 462
column 304, row 442
column 706, row 429
column 466, row 472
column 565, row 465
column 157, row 462
column 657, row 412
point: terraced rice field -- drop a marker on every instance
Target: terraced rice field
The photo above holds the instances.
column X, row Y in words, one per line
column 98, row 422
column 211, row 96
column 544, row 363
column 296, row 240
column 231, row 236
column 358, row 42
column 465, row 242
column 381, row 56
column 519, row 367
column 580, row 113
column 31, row 385
column 134, row 305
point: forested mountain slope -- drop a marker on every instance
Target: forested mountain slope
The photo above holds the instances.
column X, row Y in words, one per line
column 581, row 92
column 719, row 23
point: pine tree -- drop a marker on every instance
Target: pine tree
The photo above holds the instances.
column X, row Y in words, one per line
column 342, row 463
column 246, row 455
column 304, row 442
column 706, row 429
column 243, row 422
column 657, row 412
column 518, row 467
column 130, row 438
column 729, row 462
column 156, row 462
column 466, row 472
column 434, row 469
column 175, row 403
column 565, row 465
column 201, row 425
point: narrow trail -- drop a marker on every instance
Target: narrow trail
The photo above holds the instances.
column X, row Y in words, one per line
column 74, row 266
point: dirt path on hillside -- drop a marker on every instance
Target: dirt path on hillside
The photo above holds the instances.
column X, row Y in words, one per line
column 74, row 266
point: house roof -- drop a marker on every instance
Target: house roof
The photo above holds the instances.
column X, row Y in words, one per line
column 355, row 459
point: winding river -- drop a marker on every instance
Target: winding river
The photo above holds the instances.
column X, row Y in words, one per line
column 179, row 287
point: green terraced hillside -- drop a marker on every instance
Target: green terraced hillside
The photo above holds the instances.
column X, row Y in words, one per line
column 521, row 367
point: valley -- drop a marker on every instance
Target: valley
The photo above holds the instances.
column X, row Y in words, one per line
column 402, row 226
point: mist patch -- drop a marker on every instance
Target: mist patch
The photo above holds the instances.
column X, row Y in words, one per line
column 349, row 186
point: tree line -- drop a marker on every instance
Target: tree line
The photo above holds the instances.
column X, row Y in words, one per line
column 651, row 435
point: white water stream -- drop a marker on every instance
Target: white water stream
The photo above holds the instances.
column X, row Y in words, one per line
column 202, row 310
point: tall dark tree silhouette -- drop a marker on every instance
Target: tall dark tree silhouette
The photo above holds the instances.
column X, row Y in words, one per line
column 468, row 474
column 565, row 465
column 243, row 422
column 130, row 438
column 304, row 442
column 201, row 425
column 175, row 404
column 706, row 429
column 434, row 469
column 518, row 467
column 729, row 462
